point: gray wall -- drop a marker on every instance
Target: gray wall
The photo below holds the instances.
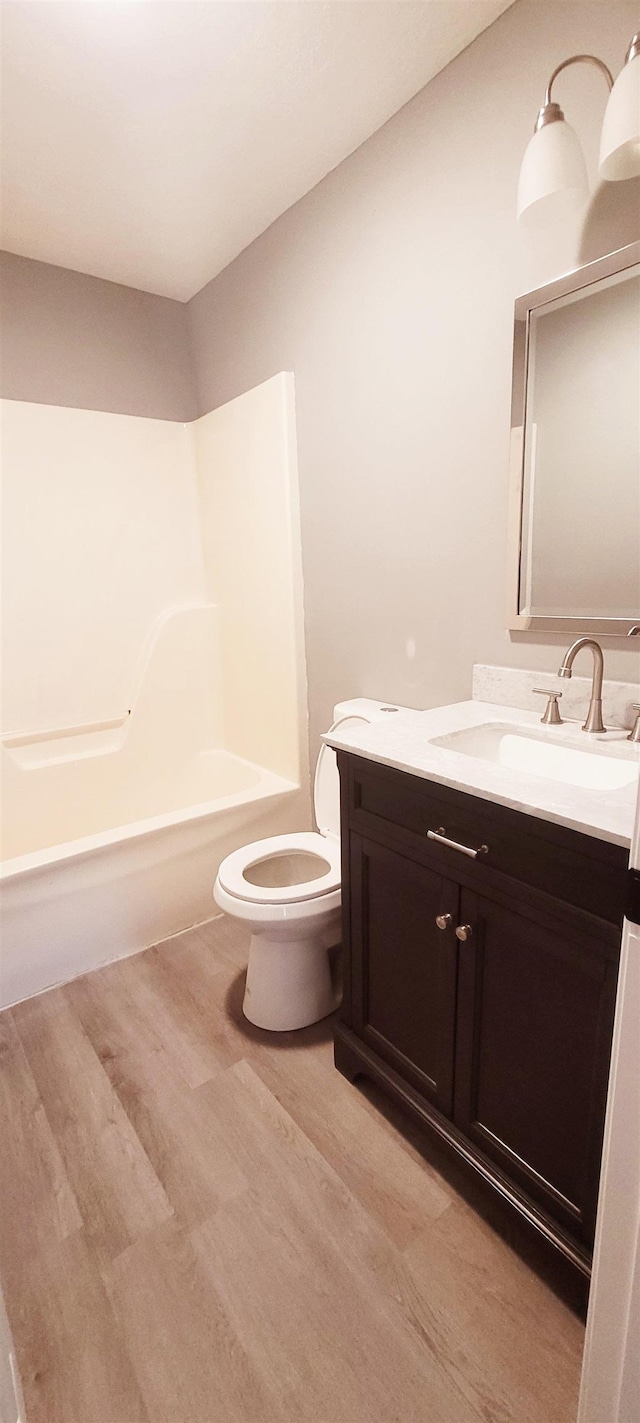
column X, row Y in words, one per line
column 389, row 291
column 69, row 339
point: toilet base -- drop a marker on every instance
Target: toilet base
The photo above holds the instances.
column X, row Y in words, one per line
column 289, row 981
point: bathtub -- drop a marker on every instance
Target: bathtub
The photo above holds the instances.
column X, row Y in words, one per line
column 125, row 863
column 113, row 832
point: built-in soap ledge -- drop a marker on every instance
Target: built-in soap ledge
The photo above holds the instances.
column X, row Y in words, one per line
column 514, row 687
column 31, row 749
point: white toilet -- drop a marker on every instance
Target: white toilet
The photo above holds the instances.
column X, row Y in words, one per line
column 288, row 889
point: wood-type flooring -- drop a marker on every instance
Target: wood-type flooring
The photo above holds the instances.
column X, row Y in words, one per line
column 206, row 1223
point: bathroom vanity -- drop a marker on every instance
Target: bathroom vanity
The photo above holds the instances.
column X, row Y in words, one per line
column 482, row 912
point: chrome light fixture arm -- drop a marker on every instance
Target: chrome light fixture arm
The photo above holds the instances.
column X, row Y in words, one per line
column 550, row 111
column 573, row 59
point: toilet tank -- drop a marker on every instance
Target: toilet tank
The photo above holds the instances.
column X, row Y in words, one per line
column 364, row 707
column 326, row 784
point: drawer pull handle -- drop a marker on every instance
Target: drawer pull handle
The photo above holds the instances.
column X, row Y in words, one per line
column 444, row 920
column 464, row 932
column 441, row 838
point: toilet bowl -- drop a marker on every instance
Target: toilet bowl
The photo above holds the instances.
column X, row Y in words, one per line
column 287, row 888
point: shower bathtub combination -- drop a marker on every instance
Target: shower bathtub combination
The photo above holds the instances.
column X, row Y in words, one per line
column 114, row 828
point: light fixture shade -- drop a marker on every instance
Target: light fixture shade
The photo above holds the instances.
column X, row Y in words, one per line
column 620, row 142
column 553, row 176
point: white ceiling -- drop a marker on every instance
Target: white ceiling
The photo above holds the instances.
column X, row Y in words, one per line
column 150, row 141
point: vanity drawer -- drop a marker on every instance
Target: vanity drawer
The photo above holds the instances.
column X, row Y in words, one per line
column 399, row 808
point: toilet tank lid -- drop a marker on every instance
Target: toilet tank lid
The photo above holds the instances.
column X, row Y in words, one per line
column 363, row 707
column 326, row 785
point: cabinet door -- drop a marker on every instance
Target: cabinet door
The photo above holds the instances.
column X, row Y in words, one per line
column 404, row 966
column 535, row 1019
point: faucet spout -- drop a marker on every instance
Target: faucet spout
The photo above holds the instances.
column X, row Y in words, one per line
column 594, row 720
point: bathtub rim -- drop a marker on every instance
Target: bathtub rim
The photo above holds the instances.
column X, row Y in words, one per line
column 271, row 786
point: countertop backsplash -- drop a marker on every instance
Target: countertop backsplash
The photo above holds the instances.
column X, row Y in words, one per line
column 513, row 687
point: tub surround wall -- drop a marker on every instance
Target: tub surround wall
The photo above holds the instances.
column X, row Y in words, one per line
column 389, row 290
column 112, row 523
column 248, row 490
column 71, row 339
column 101, row 536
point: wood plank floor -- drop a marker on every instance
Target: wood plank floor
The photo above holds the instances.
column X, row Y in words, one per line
column 205, row 1223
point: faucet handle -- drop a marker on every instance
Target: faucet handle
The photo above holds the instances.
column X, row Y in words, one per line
column 551, row 714
column 634, row 734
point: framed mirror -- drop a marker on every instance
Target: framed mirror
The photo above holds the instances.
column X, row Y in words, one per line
column 574, row 503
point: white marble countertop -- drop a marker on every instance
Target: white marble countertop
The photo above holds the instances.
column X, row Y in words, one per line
column 403, row 739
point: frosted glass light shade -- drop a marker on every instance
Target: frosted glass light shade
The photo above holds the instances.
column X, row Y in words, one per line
column 620, row 142
column 553, row 176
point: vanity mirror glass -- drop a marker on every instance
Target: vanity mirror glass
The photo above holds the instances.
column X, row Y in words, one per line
column 575, row 471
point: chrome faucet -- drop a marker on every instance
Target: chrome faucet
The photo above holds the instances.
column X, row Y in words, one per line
column 594, row 720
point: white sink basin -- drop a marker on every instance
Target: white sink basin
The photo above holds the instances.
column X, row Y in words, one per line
column 595, row 766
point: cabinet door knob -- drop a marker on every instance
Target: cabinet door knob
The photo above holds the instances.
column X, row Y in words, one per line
column 464, row 932
column 444, row 920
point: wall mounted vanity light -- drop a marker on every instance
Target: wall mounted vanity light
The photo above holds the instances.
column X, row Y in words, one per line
column 553, row 176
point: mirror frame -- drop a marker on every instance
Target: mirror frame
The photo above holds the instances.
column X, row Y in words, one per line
column 525, row 305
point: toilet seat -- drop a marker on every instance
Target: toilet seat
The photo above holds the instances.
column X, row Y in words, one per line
column 326, row 847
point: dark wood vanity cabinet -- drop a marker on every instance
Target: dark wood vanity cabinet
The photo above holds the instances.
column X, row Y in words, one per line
column 498, row 1041
column 404, row 1001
